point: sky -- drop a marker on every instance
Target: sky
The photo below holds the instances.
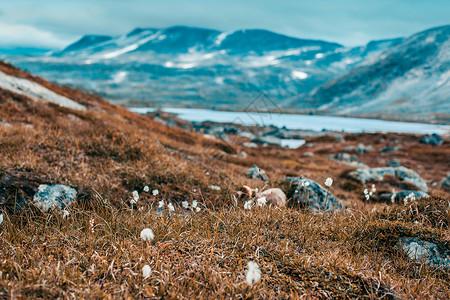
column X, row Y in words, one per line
column 53, row 24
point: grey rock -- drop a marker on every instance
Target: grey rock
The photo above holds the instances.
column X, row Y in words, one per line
column 216, row 130
column 257, row 173
column 401, row 195
column 350, row 160
column 53, row 196
column 446, row 183
column 247, row 134
column 223, row 137
column 159, row 120
column 433, row 139
column 230, row 129
column 350, row 149
column 355, row 164
column 363, row 149
column 210, row 136
column 394, row 163
column 308, row 154
column 281, row 133
column 390, row 149
column 340, row 138
column 311, row 195
column 249, row 145
column 171, row 123
column 428, row 252
column 341, row 156
column 267, row 140
column 364, row 175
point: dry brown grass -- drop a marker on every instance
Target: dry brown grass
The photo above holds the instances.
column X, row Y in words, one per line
column 343, row 255
column 107, row 152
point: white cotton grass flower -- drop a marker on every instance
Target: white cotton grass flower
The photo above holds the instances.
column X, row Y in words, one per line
column 146, row 270
column 1, row 218
column 373, row 190
column 91, row 225
column 161, row 204
column 261, row 201
column 367, row 196
column 194, row 204
column 253, row 273
column 185, row 204
column 146, row 188
column 65, row 212
column 135, row 197
column 366, row 191
column 411, row 197
column 147, row 234
column 248, row 204
column 329, row 181
column 171, row 207
column 198, row 209
column 215, row 187
column 155, row 192
column 305, row 183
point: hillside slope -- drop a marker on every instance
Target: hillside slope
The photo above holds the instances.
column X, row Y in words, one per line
column 410, row 80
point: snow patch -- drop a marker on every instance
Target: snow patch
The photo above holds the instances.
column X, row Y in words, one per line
column 131, row 47
column 36, row 91
column 187, row 66
column 221, row 37
column 120, row 76
column 299, row 75
column 169, row 64
column 209, row 55
column 444, row 79
column 219, row 80
column 261, row 61
column 319, row 55
column 430, row 39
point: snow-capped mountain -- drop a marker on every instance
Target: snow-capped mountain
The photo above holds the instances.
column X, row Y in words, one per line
column 188, row 66
column 410, row 79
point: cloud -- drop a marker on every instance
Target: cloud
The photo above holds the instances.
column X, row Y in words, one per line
column 19, row 35
column 55, row 23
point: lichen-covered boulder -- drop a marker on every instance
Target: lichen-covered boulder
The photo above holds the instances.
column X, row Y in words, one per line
column 364, row 175
column 267, row 140
column 433, row 139
column 49, row 197
column 308, row 193
column 446, row 183
column 257, row 173
column 424, row 251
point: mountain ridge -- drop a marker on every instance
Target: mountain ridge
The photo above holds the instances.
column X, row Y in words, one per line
column 190, row 66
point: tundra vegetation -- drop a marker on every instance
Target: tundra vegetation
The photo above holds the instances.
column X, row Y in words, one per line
column 147, row 224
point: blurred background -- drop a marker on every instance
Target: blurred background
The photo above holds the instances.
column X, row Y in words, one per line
column 371, row 59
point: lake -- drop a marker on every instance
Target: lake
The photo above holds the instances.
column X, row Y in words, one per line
column 300, row 122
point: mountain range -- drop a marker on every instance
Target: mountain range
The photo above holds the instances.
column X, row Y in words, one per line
column 402, row 78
